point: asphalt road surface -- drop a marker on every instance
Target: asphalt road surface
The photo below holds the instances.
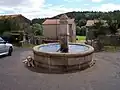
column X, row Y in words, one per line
column 104, row 75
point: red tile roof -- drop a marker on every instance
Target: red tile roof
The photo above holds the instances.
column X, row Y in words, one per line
column 56, row 21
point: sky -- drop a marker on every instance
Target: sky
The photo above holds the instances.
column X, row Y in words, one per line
column 49, row 8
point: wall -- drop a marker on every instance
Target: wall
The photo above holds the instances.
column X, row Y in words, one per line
column 74, row 32
column 50, row 31
column 53, row 31
column 110, row 40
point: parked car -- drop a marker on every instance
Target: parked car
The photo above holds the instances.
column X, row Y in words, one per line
column 5, row 48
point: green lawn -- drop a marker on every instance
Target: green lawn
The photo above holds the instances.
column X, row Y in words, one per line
column 81, row 38
column 111, row 48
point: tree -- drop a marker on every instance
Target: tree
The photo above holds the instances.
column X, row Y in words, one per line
column 83, row 31
column 38, row 20
column 37, row 29
column 99, row 29
column 81, row 22
column 113, row 26
column 78, row 30
column 4, row 26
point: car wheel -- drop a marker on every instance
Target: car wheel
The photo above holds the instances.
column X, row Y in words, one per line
column 10, row 51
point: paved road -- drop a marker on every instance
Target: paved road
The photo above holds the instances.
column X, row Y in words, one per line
column 104, row 75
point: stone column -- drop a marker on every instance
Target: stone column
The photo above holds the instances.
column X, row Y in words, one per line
column 64, row 34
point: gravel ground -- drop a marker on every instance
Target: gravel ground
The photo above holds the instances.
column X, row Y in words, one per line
column 104, row 75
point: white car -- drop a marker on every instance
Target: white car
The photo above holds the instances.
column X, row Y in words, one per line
column 5, row 48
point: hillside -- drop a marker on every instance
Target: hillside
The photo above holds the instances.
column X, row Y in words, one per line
column 86, row 15
column 92, row 15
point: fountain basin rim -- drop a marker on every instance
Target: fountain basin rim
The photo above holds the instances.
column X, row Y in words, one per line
column 87, row 52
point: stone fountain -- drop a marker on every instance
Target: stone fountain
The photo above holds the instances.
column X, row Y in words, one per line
column 63, row 56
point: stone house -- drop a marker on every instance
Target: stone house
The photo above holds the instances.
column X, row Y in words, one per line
column 92, row 22
column 18, row 24
column 51, row 29
column 90, row 30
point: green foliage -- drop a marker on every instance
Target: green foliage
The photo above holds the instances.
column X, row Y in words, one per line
column 7, row 25
column 90, row 15
column 38, row 20
column 113, row 26
column 6, row 34
column 4, row 26
column 14, row 25
column 81, row 31
column 37, row 29
column 77, row 30
column 99, row 29
column 81, row 22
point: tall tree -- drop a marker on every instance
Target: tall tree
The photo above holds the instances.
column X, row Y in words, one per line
column 81, row 22
column 37, row 29
column 113, row 26
column 99, row 29
column 4, row 26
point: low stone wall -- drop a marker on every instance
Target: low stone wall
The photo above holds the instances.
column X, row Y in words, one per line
column 96, row 44
column 63, row 61
column 110, row 40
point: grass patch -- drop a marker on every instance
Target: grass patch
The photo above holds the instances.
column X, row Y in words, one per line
column 81, row 38
column 28, row 45
column 111, row 48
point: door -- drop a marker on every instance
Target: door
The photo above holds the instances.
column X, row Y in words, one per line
column 2, row 46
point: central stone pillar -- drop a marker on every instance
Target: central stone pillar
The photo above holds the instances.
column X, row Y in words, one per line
column 64, row 34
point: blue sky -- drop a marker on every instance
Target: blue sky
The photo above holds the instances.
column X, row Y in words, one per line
column 48, row 8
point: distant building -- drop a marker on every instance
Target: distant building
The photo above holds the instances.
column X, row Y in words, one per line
column 51, row 29
column 92, row 22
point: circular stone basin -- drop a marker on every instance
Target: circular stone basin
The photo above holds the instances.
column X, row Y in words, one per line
column 49, row 56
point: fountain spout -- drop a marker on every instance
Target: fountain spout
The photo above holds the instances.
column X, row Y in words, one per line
column 64, row 34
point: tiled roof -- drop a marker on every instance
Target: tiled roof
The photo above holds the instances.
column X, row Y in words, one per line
column 92, row 22
column 56, row 21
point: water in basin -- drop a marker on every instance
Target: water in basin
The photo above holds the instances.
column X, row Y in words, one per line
column 73, row 48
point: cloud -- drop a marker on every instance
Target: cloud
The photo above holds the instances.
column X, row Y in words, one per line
column 86, row 4
column 49, row 11
column 73, row 0
column 20, row 6
column 10, row 3
column 96, row 0
column 38, row 9
column 107, row 7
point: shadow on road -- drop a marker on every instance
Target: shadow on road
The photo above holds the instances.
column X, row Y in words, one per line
column 2, row 56
column 48, row 71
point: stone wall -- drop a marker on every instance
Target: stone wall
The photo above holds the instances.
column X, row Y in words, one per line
column 63, row 61
column 113, row 40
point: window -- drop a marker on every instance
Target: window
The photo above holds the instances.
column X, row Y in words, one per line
column 1, row 40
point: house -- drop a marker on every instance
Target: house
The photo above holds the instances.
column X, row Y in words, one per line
column 92, row 22
column 17, row 24
column 17, row 21
column 91, row 31
column 51, row 29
